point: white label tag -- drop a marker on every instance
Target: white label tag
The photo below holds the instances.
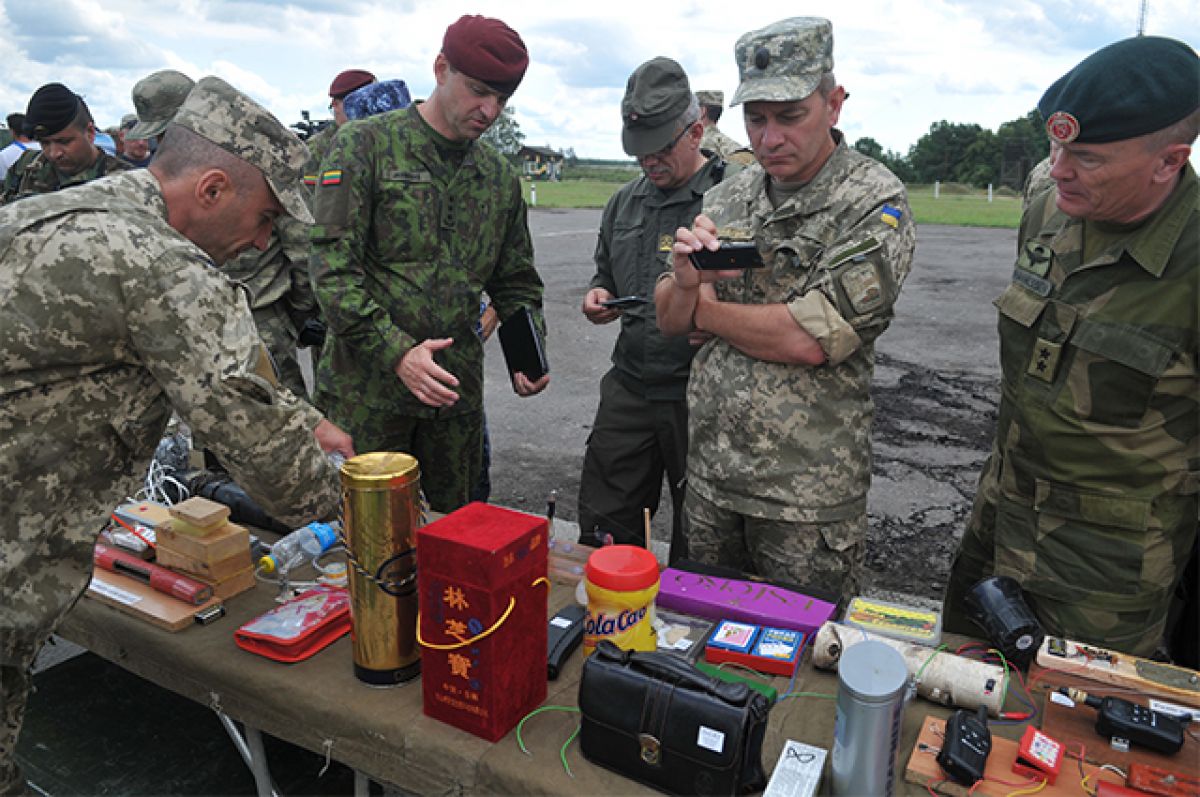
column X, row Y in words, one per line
column 1061, row 699
column 114, row 593
column 1182, row 712
column 560, row 622
column 711, row 739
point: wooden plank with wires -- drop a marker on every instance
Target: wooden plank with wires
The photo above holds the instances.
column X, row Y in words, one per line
column 1076, row 778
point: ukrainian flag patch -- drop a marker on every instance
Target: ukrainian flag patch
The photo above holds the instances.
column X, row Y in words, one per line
column 891, row 216
column 331, row 177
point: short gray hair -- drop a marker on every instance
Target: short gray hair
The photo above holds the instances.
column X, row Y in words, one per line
column 182, row 150
column 1182, row 132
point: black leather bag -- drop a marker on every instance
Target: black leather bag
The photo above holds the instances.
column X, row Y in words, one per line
column 657, row 719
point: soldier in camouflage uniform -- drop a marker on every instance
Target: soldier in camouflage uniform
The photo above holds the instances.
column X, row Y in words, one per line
column 779, row 402
column 112, row 316
column 640, row 430
column 345, row 83
column 59, row 120
column 712, row 104
column 1089, row 498
column 415, row 220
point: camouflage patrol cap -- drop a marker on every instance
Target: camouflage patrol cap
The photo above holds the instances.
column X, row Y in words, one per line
column 128, row 121
column 156, row 98
column 783, row 61
column 237, row 124
column 715, row 98
column 656, row 96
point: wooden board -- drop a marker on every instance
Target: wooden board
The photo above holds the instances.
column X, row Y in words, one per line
column 140, row 600
column 1076, row 726
column 1119, row 669
column 999, row 779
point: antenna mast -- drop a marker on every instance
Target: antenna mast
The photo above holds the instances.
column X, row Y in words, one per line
column 1141, row 27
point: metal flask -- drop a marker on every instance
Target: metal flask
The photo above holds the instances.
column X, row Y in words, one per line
column 872, row 678
column 381, row 499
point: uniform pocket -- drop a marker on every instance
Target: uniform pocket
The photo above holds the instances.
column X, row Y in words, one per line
column 1115, row 370
column 1077, row 546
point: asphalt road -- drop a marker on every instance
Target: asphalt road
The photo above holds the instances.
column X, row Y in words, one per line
column 935, row 387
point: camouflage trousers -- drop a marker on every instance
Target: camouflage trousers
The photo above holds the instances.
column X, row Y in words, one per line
column 449, row 451
column 51, row 584
column 277, row 333
column 1071, row 588
column 633, row 443
column 825, row 557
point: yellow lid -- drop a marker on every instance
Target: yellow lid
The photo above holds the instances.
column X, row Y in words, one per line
column 379, row 470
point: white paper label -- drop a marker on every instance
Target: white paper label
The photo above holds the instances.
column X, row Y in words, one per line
column 1182, row 712
column 115, row 593
column 560, row 622
column 711, row 739
column 797, row 772
column 1061, row 699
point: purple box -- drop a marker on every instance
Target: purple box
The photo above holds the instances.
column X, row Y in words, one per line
column 748, row 601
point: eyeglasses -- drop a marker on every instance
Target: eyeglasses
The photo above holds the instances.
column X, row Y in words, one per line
column 665, row 151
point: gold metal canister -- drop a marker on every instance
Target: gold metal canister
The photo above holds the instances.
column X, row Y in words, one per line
column 380, row 494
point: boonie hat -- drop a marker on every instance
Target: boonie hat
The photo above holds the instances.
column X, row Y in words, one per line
column 156, row 98
column 716, row 98
column 656, row 95
column 1127, row 89
column 51, row 108
column 240, row 126
column 348, row 81
column 784, row 61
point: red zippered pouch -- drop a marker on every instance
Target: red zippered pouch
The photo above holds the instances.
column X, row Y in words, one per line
column 295, row 630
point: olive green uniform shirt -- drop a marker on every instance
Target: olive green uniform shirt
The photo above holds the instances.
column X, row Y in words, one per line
column 35, row 174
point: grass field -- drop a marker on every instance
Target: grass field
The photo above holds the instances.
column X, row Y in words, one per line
column 956, row 205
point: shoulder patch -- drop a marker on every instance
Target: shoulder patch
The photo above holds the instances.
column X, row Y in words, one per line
column 862, row 287
column 891, row 215
column 331, row 177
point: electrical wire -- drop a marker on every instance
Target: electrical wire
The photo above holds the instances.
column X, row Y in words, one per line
column 1034, row 790
column 562, row 751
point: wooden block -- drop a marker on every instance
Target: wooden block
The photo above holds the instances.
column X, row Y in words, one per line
column 227, row 541
column 999, row 779
column 200, row 512
column 144, row 602
column 229, row 586
column 1077, row 726
column 1177, row 684
column 169, row 557
column 148, row 513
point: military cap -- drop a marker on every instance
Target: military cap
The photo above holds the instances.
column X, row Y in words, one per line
column 783, row 61
column 348, row 81
column 51, row 108
column 240, row 126
column 373, row 98
column 487, row 50
column 128, row 121
column 156, row 98
column 715, row 98
column 1127, row 89
column 656, row 96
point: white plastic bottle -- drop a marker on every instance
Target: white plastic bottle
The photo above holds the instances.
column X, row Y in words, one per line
column 298, row 547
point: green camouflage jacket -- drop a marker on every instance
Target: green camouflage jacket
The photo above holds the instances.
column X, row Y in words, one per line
column 792, row 442
column 637, row 232
column 109, row 320
column 34, row 174
column 318, row 148
column 403, row 248
column 1096, row 461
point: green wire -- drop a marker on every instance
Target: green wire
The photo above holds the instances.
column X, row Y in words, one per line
column 939, row 649
column 1004, row 698
column 562, row 752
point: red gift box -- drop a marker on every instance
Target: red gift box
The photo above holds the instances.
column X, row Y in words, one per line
column 482, row 589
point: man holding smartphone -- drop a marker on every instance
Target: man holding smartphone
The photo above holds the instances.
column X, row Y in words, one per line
column 779, row 400
column 640, row 430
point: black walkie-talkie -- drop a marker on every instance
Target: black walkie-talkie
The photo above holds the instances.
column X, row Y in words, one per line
column 565, row 632
column 1117, row 717
column 966, row 747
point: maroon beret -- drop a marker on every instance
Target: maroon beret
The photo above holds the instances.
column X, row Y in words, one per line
column 487, row 50
column 348, row 81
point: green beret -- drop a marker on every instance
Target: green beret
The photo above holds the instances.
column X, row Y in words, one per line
column 1127, row 89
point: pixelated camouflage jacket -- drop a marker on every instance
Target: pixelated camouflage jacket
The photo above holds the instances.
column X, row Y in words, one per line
column 34, row 174
column 109, row 320
column 633, row 248
column 1096, row 459
column 788, row 441
column 403, row 248
column 718, row 143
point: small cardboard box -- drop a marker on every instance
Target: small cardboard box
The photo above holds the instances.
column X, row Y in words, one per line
column 229, row 540
column 483, row 590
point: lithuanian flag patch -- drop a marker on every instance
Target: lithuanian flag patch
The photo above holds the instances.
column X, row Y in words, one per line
column 331, row 177
column 310, row 179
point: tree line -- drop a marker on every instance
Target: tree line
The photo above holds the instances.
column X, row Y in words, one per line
column 968, row 153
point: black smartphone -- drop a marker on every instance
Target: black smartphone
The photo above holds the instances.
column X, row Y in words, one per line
column 729, row 255
column 624, row 301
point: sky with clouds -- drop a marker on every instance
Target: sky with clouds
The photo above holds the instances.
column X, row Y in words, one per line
column 906, row 63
